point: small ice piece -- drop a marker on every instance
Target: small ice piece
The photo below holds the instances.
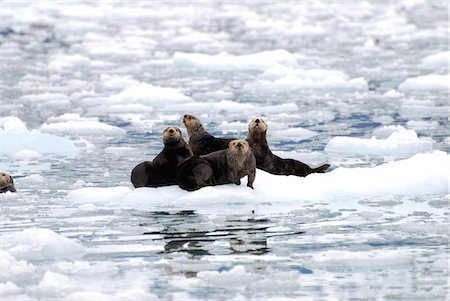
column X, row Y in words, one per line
column 437, row 61
column 82, row 127
column 39, row 244
column 15, row 270
column 52, row 282
column 12, row 124
column 226, row 62
column 430, row 82
column 16, row 138
column 286, row 78
column 26, row 155
column 148, row 94
column 401, row 143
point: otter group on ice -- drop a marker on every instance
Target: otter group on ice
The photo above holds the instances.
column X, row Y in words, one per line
column 207, row 160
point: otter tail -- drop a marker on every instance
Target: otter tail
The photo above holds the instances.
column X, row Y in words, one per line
column 321, row 169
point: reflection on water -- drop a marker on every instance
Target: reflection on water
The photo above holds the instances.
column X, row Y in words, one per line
column 235, row 236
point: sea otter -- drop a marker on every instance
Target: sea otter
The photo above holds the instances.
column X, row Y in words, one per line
column 220, row 167
column 200, row 141
column 267, row 161
column 162, row 171
column 6, row 183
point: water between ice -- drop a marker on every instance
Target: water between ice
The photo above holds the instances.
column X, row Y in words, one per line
column 88, row 87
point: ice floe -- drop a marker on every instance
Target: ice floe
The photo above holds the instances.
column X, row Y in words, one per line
column 437, row 61
column 422, row 174
column 226, row 62
column 430, row 82
column 148, row 94
column 287, row 78
column 400, row 143
column 74, row 124
column 17, row 138
column 39, row 244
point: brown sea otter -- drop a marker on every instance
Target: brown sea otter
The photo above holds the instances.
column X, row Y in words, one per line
column 271, row 163
column 162, row 171
column 6, row 183
column 220, row 167
column 200, row 141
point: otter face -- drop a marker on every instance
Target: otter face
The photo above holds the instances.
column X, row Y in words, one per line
column 6, row 183
column 171, row 135
column 239, row 146
column 191, row 122
column 257, row 124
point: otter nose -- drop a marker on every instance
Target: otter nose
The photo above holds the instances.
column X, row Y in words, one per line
column 239, row 145
column 171, row 131
column 257, row 120
column 185, row 116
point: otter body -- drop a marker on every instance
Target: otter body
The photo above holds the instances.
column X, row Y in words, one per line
column 219, row 167
column 200, row 141
column 162, row 171
column 267, row 161
column 6, row 183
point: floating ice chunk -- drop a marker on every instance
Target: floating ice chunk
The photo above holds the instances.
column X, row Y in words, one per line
column 82, row 127
column 226, row 62
column 99, row 194
column 232, row 127
column 199, row 41
column 124, row 295
column 437, row 61
column 430, row 82
column 53, row 282
column 286, row 78
column 70, row 116
column 69, row 62
column 400, row 143
column 9, row 289
column 416, row 109
column 367, row 259
column 38, row 244
column 147, row 94
column 117, row 83
column 294, row 134
column 234, row 107
column 15, row 270
column 12, row 124
column 26, row 155
column 16, row 138
column 47, row 99
column 275, row 194
column 236, row 278
column 394, row 94
column 422, row 125
column 385, row 131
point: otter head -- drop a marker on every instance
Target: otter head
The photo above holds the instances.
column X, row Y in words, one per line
column 191, row 123
column 171, row 135
column 6, row 183
column 239, row 146
column 257, row 125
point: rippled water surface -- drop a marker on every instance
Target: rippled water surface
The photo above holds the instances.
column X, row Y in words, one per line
column 108, row 77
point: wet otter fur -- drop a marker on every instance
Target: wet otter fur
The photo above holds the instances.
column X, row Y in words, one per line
column 200, row 141
column 267, row 161
column 6, row 183
column 220, row 167
column 162, row 171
